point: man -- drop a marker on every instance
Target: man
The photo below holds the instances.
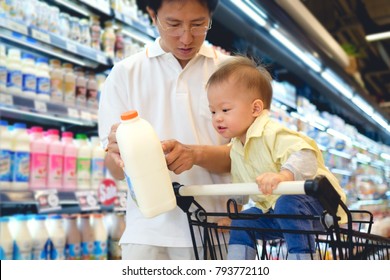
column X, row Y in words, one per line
column 165, row 83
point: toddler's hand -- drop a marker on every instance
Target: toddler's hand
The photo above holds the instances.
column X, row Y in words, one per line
column 269, row 181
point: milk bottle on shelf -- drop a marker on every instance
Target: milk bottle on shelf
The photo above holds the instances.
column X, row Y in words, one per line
column 29, row 78
column 14, row 72
column 69, row 179
column 40, row 238
column 6, row 241
column 56, row 81
column 100, row 233
column 22, row 238
column 55, row 160
column 43, row 79
column 73, row 238
column 21, row 157
column 38, row 164
column 145, row 167
column 116, row 229
column 5, row 156
column 57, row 236
column 83, row 162
column 3, row 68
column 97, row 163
column 69, row 83
column 87, row 237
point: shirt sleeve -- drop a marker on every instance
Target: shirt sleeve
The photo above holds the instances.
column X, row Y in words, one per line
column 303, row 164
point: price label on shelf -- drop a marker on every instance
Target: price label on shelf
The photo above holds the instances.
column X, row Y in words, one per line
column 40, row 106
column 39, row 35
column 6, row 99
column 120, row 201
column 71, row 47
column 88, row 200
column 47, row 201
column 16, row 26
column 74, row 113
column 101, row 58
column 86, row 115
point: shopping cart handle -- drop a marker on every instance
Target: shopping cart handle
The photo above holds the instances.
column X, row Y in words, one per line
column 319, row 187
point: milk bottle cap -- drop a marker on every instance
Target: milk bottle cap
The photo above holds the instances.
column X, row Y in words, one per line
column 129, row 115
column 67, row 134
column 20, row 125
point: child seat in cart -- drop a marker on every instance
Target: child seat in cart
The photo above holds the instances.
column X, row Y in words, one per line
column 349, row 241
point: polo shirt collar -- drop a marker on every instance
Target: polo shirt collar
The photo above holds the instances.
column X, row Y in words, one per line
column 154, row 49
column 257, row 127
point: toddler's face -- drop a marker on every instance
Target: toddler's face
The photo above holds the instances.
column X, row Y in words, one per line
column 231, row 108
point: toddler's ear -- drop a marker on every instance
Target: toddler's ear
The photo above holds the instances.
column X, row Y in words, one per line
column 257, row 107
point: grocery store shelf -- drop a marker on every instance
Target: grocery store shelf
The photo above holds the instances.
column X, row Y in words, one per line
column 52, row 44
column 26, row 202
column 45, row 111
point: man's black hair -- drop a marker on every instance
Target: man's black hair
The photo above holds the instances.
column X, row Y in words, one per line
column 156, row 4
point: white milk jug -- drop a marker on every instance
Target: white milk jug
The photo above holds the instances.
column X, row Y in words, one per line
column 146, row 171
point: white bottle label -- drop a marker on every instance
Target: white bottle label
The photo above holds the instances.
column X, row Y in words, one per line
column 21, row 172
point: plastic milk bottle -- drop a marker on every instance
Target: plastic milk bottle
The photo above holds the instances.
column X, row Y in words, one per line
column 40, row 238
column 55, row 160
column 6, row 241
column 83, row 162
column 146, row 171
column 100, row 232
column 69, row 179
column 97, row 163
column 73, row 238
column 87, row 237
column 22, row 238
column 21, row 157
column 38, row 163
column 57, row 236
column 5, row 156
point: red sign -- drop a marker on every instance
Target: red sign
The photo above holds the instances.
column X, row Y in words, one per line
column 107, row 192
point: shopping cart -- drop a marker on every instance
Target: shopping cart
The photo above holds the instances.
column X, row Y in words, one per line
column 352, row 240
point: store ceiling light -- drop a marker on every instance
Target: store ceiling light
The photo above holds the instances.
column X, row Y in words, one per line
column 363, row 105
column 75, row 7
column 335, row 81
column 380, row 120
column 252, row 11
column 378, row 36
column 307, row 58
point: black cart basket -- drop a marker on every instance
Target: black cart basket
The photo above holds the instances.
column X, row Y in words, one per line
column 352, row 240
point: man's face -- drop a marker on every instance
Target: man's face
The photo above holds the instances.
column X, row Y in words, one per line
column 175, row 16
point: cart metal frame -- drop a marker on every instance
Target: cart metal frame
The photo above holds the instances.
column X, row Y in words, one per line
column 350, row 241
